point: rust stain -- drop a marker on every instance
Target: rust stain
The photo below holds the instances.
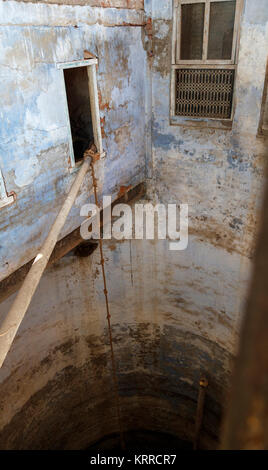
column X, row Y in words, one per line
column 102, row 105
column 89, row 55
column 147, row 39
column 123, row 190
column 131, row 24
column 149, row 27
column 112, row 247
column 92, row 152
column 12, row 193
column 102, row 121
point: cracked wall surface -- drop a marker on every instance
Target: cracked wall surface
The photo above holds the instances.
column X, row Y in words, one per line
column 34, row 133
column 60, row 385
column 130, row 4
column 175, row 316
column 219, row 173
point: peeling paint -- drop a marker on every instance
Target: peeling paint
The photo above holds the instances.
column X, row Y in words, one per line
column 173, row 317
column 34, row 118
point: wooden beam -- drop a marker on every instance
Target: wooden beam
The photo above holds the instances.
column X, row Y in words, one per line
column 11, row 284
column 11, row 322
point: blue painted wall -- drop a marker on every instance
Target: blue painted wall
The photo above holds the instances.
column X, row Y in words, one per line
column 33, row 132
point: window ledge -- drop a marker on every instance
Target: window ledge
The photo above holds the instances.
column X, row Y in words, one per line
column 6, row 201
column 205, row 123
column 76, row 63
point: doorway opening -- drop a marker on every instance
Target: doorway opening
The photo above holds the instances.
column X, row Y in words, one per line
column 78, row 99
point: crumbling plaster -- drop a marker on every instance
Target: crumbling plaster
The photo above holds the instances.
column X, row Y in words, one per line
column 33, row 134
column 61, row 381
column 174, row 315
column 219, row 173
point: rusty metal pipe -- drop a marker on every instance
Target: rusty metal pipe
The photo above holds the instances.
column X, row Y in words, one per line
column 9, row 326
column 203, row 383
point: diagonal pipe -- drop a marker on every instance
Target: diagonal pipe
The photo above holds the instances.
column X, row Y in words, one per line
column 10, row 325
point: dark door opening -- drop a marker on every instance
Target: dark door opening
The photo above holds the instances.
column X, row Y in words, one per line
column 77, row 92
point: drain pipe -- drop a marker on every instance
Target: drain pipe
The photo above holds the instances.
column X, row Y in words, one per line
column 9, row 326
column 203, row 383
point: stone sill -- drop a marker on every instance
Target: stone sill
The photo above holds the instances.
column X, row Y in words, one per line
column 203, row 123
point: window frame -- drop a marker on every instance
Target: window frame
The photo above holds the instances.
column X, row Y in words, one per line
column 177, row 63
column 90, row 64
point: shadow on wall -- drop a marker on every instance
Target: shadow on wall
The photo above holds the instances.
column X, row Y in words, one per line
column 158, row 386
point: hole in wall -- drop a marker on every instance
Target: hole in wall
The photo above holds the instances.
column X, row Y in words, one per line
column 77, row 92
column 85, row 249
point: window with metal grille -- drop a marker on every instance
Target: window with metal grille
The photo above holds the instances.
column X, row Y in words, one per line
column 204, row 57
column 204, row 93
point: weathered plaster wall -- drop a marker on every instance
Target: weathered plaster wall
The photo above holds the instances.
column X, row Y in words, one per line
column 33, row 133
column 218, row 173
column 131, row 4
column 57, row 375
column 174, row 315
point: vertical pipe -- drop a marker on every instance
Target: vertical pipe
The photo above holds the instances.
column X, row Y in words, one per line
column 203, row 383
column 95, row 112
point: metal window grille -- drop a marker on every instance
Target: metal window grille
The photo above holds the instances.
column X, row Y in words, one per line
column 204, row 93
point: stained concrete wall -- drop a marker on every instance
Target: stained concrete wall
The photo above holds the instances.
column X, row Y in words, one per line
column 174, row 316
column 34, row 133
column 57, row 375
column 218, row 173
